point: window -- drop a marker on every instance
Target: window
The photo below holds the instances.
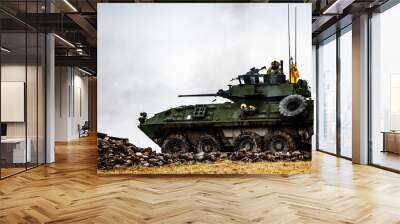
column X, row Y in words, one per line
column 385, row 89
column 327, row 96
column 22, row 99
column 346, row 93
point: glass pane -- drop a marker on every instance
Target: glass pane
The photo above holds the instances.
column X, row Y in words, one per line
column 313, row 92
column 41, row 98
column 327, row 97
column 385, row 86
column 346, row 94
column 13, row 86
column 32, row 95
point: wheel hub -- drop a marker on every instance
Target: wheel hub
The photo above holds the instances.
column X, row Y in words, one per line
column 279, row 144
column 247, row 145
column 293, row 106
column 175, row 146
column 207, row 146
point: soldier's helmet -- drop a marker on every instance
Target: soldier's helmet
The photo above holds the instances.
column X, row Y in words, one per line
column 275, row 65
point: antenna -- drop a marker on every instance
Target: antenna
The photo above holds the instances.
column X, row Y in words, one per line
column 295, row 36
column 288, row 15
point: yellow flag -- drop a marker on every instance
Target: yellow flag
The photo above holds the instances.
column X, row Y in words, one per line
column 294, row 73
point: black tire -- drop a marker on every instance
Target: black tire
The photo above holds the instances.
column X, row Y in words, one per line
column 207, row 144
column 279, row 141
column 175, row 144
column 248, row 141
column 292, row 105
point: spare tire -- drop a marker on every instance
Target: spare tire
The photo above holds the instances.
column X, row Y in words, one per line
column 292, row 105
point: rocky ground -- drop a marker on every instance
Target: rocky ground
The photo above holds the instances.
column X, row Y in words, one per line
column 114, row 153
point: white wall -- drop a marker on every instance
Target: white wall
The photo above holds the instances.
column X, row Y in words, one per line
column 69, row 84
column 150, row 53
column 33, row 127
column 12, row 73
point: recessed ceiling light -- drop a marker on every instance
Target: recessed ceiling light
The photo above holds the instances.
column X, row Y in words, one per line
column 84, row 71
column 64, row 40
column 5, row 50
column 334, row 6
column 70, row 5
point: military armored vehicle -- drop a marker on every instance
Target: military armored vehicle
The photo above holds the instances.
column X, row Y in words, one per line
column 266, row 112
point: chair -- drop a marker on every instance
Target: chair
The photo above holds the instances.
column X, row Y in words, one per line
column 84, row 130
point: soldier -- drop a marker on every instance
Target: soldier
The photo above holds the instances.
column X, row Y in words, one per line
column 274, row 68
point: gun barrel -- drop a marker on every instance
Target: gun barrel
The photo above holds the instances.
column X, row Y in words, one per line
column 194, row 95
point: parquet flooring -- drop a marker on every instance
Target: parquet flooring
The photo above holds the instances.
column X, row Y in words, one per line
column 70, row 191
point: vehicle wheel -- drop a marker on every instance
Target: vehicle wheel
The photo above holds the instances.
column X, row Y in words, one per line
column 175, row 144
column 207, row 144
column 279, row 141
column 292, row 105
column 248, row 141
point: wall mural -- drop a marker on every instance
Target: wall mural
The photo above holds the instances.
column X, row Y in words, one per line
column 198, row 110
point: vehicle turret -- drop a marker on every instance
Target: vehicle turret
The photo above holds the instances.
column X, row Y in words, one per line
column 255, row 86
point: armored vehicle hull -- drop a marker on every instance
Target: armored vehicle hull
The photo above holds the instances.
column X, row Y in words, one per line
column 228, row 126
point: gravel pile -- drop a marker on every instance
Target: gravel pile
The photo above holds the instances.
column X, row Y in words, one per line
column 119, row 152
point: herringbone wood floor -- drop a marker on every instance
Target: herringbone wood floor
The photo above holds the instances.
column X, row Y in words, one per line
column 70, row 191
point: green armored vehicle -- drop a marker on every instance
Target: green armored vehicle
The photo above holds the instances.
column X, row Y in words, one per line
column 266, row 113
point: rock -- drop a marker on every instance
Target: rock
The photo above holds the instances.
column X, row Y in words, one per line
column 296, row 153
column 210, row 156
column 139, row 154
column 223, row 156
column 128, row 162
column 153, row 160
column 130, row 151
column 239, row 155
column 277, row 154
column 148, row 150
column 144, row 163
column 270, row 157
column 199, row 156
column 118, row 152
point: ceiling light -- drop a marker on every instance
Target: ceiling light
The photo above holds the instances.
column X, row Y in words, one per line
column 70, row 5
column 84, row 71
column 5, row 50
column 334, row 7
column 64, row 40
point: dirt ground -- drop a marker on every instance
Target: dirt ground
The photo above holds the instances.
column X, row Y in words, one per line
column 223, row 167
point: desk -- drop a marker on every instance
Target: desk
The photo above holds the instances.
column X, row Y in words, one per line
column 13, row 150
column 391, row 141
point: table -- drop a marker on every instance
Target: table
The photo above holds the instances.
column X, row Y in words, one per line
column 391, row 141
column 13, row 150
